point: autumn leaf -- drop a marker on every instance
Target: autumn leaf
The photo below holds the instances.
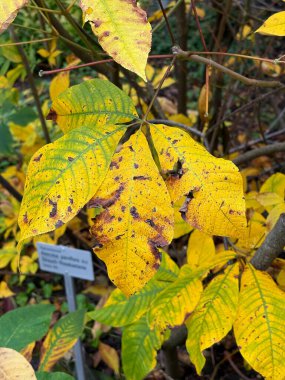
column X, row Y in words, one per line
column 121, row 311
column 61, row 338
column 8, row 12
column 137, row 217
column 139, row 349
column 216, row 203
column 59, row 84
column 260, row 323
column 274, row 25
column 172, row 305
column 63, row 176
column 93, row 103
column 200, row 250
column 214, row 315
column 122, row 30
column 14, row 366
column 5, row 291
column 180, row 226
column 109, row 356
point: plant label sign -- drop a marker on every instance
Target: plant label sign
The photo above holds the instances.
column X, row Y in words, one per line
column 64, row 260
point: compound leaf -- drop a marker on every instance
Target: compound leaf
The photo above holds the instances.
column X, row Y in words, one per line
column 122, row 30
column 260, row 323
column 137, row 217
column 216, row 204
column 63, row 176
column 92, row 103
column 214, row 315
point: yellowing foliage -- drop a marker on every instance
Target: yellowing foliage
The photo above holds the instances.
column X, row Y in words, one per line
column 14, row 366
column 200, row 250
column 54, row 194
column 211, row 208
column 8, row 12
column 214, row 315
column 274, row 25
column 137, row 217
column 259, row 326
column 122, row 30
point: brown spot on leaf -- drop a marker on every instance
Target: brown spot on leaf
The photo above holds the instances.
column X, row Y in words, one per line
column 52, row 115
column 136, row 166
column 69, row 209
column 70, row 159
column 59, row 223
column 97, row 23
column 140, row 178
column 37, row 159
column 53, row 212
column 25, row 218
column 134, row 212
column 105, row 203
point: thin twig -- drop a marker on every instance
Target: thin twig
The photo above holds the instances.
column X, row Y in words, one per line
column 27, row 42
column 167, row 72
column 167, row 22
column 33, row 86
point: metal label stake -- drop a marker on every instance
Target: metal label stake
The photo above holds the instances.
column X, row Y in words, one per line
column 69, row 262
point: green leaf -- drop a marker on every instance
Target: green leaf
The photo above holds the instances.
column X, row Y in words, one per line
column 53, row 376
column 22, row 326
column 64, row 175
column 214, row 315
column 92, row 103
column 121, row 311
column 61, row 339
column 6, row 141
column 139, row 349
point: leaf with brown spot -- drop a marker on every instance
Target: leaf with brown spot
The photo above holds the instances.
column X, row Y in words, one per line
column 91, row 103
column 122, row 30
column 128, row 231
column 56, row 187
column 215, row 205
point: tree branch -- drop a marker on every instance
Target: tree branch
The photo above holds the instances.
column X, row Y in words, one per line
column 266, row 150
column 271, row 247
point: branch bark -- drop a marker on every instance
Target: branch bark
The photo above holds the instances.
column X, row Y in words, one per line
column 271, row 247
column 266, row 150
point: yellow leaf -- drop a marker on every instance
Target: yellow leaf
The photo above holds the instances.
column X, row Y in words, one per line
column 274, row 214
column 5, row 292
column 43, row 53
column 214, row 315
column 61, row 338
column 110, row 357
column 94, row 102
column 7, row 254
column 254, row 234
column 137, row 216
column 13, row 366
column 59, row 84
column 172, row 305
column 217, row 205
column 8, row 12
column 274, row 184
column 202, row 103
column 63, row 176
column 269, row 200
column 201, row 249
column 180, row 118
column 27, row 135
column 260, row 324
column 27, row 352
column 180, row 226
column 281, row 279
column 122, row 30
column 274, row 25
